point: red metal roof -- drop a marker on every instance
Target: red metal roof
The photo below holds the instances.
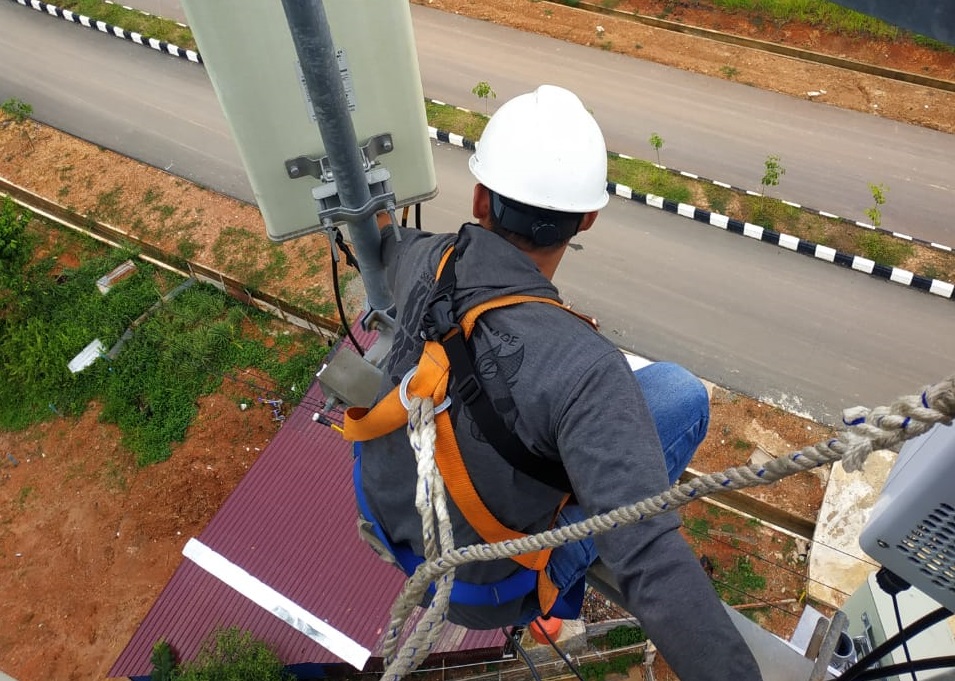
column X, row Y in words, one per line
column 291, row 524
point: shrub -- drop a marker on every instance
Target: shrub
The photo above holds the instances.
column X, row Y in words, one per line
column 14, row 249
column 597, row 671
column 884, row 249
column 233, row 655
column 623, row 636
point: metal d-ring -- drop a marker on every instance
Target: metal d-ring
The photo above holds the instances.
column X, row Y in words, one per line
column 403, row 393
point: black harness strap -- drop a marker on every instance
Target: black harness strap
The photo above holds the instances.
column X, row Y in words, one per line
column 437, row 323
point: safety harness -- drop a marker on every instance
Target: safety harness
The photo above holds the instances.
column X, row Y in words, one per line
column 445, row 355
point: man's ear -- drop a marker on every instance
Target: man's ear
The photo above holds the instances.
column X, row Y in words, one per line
column 587, row 221
column 481, row 203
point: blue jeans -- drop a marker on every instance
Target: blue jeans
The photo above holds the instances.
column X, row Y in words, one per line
column 680, row 409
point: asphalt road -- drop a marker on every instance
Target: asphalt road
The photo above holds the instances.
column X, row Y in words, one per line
column 713, row 127
column 776, row 325
column 122, row 96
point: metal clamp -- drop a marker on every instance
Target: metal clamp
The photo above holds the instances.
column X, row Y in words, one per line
column 403, row 393
column 320, row 168
column 382, row 198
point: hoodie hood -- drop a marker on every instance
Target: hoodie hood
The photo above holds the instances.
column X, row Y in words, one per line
column 489, row 266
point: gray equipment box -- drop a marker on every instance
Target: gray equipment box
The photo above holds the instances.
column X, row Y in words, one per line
column 912, row 528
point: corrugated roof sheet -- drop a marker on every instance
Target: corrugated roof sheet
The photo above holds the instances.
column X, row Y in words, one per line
column 291, row 524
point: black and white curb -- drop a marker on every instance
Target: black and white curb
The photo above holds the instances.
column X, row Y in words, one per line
column 822, row 213
column 116, row 31
column 792, row 243
column 450, row 138
column 747, row 229
column 145, row 14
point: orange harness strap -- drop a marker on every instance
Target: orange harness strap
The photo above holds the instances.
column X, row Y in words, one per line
column 431, row 380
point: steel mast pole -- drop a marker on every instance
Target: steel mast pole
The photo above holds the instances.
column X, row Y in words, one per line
column 312, row 38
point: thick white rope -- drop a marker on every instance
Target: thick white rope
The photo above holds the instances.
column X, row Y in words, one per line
column 871, row 430
column 432, row 506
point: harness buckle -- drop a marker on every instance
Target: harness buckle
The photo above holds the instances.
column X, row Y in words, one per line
column 406, row 401
column 468, row 389
column 438, row 318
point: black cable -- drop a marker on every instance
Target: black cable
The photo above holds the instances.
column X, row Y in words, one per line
column 341, row 308
column 553, row 644
column 905, row 643
column 350, row 259
column 854, row 672
column 893, row 585
column 404, row 216
column 947, row 662
column 523, row 653
column 417, row 216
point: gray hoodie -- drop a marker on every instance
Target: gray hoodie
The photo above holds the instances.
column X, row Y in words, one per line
column 571, row 397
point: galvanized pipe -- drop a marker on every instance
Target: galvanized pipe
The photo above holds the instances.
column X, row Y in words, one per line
column 828, row 648
column 312, row 37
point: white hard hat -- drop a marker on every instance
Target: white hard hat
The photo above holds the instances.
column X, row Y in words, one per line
column 544, row 149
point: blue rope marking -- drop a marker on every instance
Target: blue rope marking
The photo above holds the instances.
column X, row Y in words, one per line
column 924, row 400
column 905, row 423
column 761, row 472
column 854, row 422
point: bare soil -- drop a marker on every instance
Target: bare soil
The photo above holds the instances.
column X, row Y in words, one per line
column 87, row 540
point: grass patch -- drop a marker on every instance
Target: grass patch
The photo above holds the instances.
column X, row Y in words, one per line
column 466, row 123
column 646, row 178
column 828, row 15
column 729, row 72
column 597, row 671
column 22, row 496
column 149, row 26
column 932, row 44
column 699, row 527
column 108, row 208
column 179, row 352
column 248, row 257
column 619, row 637
column 187, row 248
column 739, row 583
column 883, row 248
column 717, row 197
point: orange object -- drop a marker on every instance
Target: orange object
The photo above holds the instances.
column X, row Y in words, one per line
column 545, row 626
